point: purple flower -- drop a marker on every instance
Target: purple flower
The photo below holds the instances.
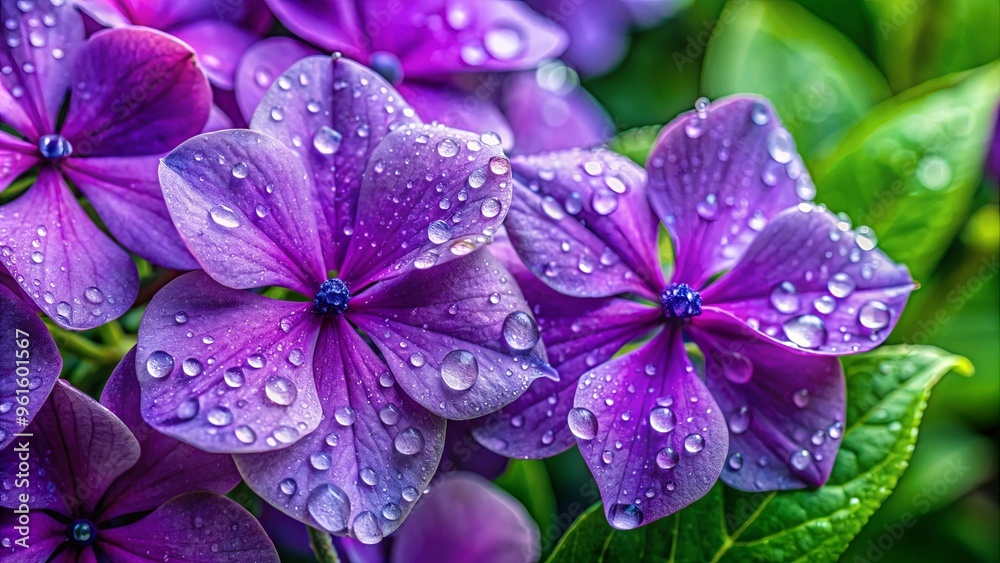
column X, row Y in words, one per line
column 31, row 358
column 133, row 95
column 335, row 403
column 219, row 32
column 599, row 29
column 770, row 288
column 433, row 51
column 464, row 519
column 102, row 483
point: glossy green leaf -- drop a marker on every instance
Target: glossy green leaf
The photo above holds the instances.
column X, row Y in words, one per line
column 527, row 480
column 910, row 168
column 887, row 394
column 816, row 78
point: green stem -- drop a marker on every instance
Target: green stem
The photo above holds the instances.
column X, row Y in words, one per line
column 79, row 345
column 322, row 546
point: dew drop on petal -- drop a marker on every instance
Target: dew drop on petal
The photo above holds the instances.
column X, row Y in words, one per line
column 327, row 140
column 694, row 443
column 447, row 148
column 366, row 528
column 280, row 390
column 192, row 367
column 288, row 486
column 841, row 285
column 330, row 507
column 739, row 420
column 320, row 461
column 409, row 441
column 662, row 419
column 459, row 369
column 389, row 414
column 219, row 416
column 159, row 364
column 807, row 331
column 439, row 232
column 187, row 409
column 245, row 434
column 625, row 516
column 582, row 423
column 667, row 458
column 874, row 315
column 224, row 217
column 785, row 298
column 800, row 459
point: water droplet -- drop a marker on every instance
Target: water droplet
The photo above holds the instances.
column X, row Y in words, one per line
column 447, row 148
column 417, row 360
column 499, row 165
column 330, row 507
column 439, row 232
column 391, row 512
column 780, row 145
column 477, row 178
column 874, row 315
column 459, row 369
column 662, row 419
column 758, row 113
column 389, row 414
column 739, row 420
column 520, row 331
column 835, row 431
column 220, row 416
column 694, row 443
column 245, row 434
column 491, row 207
column 288, row 486
column 708, row 208
column 825, row 304
column 277, row 113
column 784, row 298
column 280, row 390
column 410, row 494
column 604, row 202
column 345, row 416
column 503, row 42
column 695, row 127
column 224, row 217
column 409, row 441
column 625, row 516
column 94, row 295
column 159, row 364
column 582, row 423
column 256, row 361
column 801, row 398
column 667, row 458
column 234, row 377
column 369, row 476
column 735, row 461
column 608, row 456
column 192, row 367
column 807, row 331
column 327, row 140
column 188, row 409
column 181, row 318
column 841, row 285
column 366, row 528
column 800, row 459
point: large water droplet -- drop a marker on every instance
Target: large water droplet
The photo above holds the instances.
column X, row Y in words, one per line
column 344, row 416
column 288, row 486
column 224, row 217
column 389, row 414
column 240, row 170
column 874, row 315
column 409, row 441
column 330, row 507
column 520, row 331
column 280, row 390
column 503, row 42
column 694, row 443
column 192, row 367
column 220, row 416
column 439, row 232
column 807, row 331
column 667, row 458
column 582, row 423
column 625, row 516
column 366, row 528
column 187, row 409
column 447, row 148
column 739, row 420
column 459, row 369
column 327, row 140
column 780, row 145
column 321, row 461
column 800, row 459
column 784, row 298
column 159, row 364
column 662, row 419
column 841, row 285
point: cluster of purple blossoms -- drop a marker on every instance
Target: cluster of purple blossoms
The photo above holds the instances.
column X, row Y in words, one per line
column 770, row 288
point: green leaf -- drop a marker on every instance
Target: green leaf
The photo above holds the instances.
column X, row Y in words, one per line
column 887, row 392
column 816, row 78
column 527, row 480
column 910, row 168
column 917, row 40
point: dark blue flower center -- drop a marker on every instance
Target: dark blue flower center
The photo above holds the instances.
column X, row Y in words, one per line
column 388, row 65
column 82, row 533
column 54, row 146
column 332, row 298
column 680, row 301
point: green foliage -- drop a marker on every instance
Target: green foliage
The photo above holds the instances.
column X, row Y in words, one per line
column 887, row 394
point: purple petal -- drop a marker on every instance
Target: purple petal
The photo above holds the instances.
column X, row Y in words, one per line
column 333, row 113
column 460, row 109
column 135, row 92
column 191, row 527
column 579, row 334
column 218, row 120
column 40, row 539
column 465, row 519
column 463, row 453
column 373, row 454
column 219, row 46
column 549, row 111
column 811, row 283
column 33, row 364
column 166, row 467
column 264, row 61
column 458, row 337
column 227, row 370
column 333, row 25
column 159, row 15
column 785, row 411
column 581, row 224
column 598, row 34
column 717, row 176
column 429, row 194
column 126, row 194
column 73, row 272
column 993, row 152
column 16, row 156
column 40, row 45
column 650, row 431
column 434, row 37
column 241, row 202
column 82, row 448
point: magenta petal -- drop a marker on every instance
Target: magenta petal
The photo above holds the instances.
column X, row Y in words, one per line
column 650, row 431
column 459, row 109
column 458, row 338
column 136, row 91
column 581, row 223
column 166, row 467
column 16, row 157
column 241, row 201
column 331, row 24
column 82, row 448
column 811, row 283
column 429, row 194
column 717, row 176
column 192, row 527
column 373, row 454
column 126, row 194
column 437, row 37
column 219, row 46
column 40, row 45
column 73, row 272
column 466, row 518
column 578, row 334
column 333, row 113
column 264, row 61
column 549, row 111
column 33, row 364
column 785, row 411
column 40, row 539
column 227, row 370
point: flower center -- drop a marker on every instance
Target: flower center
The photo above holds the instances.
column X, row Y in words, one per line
column 82, row 533
column 332, row 298
column 388, row 65
column 680, row 301
column 54, row 146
